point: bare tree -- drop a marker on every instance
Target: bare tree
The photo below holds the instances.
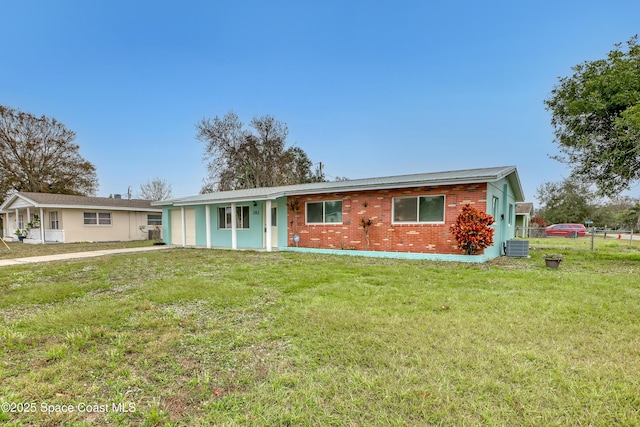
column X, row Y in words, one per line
column 156, row 189
column 239, row 158
column 38, row 154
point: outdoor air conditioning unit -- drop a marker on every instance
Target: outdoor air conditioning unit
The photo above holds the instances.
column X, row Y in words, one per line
column 517, row 248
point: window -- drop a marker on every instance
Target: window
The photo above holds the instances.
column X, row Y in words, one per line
column 494, row 208
column 274, row 217
column 97, row 218
column 425, row 209
column 242, row 217
column 53, row 220
column 324, row 212
column 20, row 221
column 510, row 214
column 154, row 219
column 104, row 218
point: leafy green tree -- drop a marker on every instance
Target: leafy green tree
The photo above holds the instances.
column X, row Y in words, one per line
column 38, row 154
column 565, row 201
column 239, row 158
column 596, row 119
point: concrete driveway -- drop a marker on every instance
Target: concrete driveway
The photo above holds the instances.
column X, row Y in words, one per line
column 76, row 255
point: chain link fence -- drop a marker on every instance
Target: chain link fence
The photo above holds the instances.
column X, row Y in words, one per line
column 593, row 233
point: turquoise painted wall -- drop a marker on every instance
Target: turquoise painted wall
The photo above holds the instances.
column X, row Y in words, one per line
column 250, row 238
column 283, row 235
column 166, row 223
column 504, row 228
column 201, row 234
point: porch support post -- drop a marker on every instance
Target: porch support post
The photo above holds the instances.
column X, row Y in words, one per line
column 268, row 225
column 207, row 216
column 42, row 225
column 234, row 227
column 184, row 227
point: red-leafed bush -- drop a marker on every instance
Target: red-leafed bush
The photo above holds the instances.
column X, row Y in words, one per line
column 472, row 230
column 536, row 221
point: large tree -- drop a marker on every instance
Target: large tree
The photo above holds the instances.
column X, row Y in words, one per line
column 38, row 154
column 239, row 158
column 596, row 119
column 156, row 189
column 567, row 201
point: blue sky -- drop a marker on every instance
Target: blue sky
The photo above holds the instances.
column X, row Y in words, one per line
column 368, row 88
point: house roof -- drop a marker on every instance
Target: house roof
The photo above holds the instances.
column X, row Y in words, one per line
column 524, row 208
column 467, row 176
column 48, row 200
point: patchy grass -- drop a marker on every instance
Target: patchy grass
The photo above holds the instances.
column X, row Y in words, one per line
column 200, row 337
column 24, row 250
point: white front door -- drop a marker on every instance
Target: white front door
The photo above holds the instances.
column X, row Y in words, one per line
column 273, row 225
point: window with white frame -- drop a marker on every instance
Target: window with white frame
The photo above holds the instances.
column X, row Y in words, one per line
column 511, row 218
column 154, row 219
column 422, row 209
column 20, row 221
column 97, row 218
column 53, row 220
column 242, row 217
column 328, row 212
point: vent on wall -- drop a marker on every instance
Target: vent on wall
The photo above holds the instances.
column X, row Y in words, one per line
column 517, row 248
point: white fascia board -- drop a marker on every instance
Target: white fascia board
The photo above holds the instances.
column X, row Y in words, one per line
column 374, row 187
column 217, row 201
column 95, row 207
column 12, row 199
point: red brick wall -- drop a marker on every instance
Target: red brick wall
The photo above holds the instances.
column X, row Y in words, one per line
column 383, row 235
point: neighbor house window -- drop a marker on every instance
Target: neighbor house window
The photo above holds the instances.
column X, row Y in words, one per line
column 242, row 217
column 53, row 220
column 154, row 219
column 329, row 212
column 424, row 209
column 97, row 218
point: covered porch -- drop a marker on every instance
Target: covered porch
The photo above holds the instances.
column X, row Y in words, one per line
column 32, row 225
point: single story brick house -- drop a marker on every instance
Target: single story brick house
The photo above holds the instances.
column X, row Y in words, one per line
column 406, row 216
column 65, row 218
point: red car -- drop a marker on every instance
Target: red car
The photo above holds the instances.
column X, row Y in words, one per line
column 567, row 230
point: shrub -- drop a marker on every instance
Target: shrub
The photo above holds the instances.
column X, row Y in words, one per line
column 536, row 221
column 472, row 230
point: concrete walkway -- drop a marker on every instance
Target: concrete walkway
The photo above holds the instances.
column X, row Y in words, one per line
column 76, row 255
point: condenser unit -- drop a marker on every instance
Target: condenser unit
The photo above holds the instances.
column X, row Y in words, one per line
column 517, row 248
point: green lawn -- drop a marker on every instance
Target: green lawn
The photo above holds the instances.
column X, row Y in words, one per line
column 200, row 337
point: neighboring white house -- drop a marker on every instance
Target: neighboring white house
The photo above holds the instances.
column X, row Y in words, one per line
column 524, row 213
column 66, row 219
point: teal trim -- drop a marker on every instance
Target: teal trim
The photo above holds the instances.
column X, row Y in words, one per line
column 397, row 255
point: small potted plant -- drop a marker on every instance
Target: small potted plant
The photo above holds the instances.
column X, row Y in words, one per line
column 22, row 233
column 553, row 260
